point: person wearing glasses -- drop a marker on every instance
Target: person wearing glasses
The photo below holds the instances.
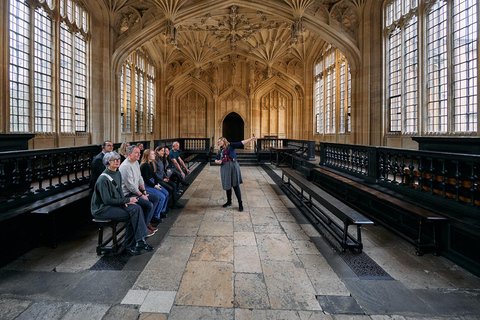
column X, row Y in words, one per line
column 109, row 202
column 97, row 163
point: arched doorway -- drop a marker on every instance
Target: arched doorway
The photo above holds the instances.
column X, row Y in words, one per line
column 233, row 127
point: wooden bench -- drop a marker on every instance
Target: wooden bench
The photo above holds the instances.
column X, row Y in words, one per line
column 48, row 216
column 319, row 218
column 116, row 239
column 381, row 200
column 190, row 159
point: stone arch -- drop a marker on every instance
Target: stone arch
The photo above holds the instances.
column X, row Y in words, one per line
column 188, row 110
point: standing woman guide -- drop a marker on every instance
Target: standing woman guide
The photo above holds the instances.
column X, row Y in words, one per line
column 230, row 170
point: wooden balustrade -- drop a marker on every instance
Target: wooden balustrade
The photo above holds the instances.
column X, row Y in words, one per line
column 26, row 176
column 448, row 175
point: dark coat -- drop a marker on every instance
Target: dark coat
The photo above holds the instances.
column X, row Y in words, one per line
column 97, row 168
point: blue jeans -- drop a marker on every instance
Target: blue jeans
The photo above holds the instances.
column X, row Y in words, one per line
column 163, row 200
column 149, row 206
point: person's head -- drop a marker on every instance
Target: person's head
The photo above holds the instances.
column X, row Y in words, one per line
column 123, row 148
column 107, row 146
column 140, row 146
column 112, row 160
column 175, row 146
column 167, row 151
column 223, row 142
column 133, row 153
column 148, row 156
column 159, row 153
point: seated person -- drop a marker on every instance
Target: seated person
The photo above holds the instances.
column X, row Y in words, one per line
column 97, row 163
column 123, row 151
column 177, row 160
column 152, row 185
column 164, row 179
column 172, row 171
column 134, row 186
column 109, row 202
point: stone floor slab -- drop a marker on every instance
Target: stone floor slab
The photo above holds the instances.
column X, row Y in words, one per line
column 135, row 297
column 213, row 249
column 251, row 291
column 244, row 239
column 158, row 302
column 208, row 284
column 88, row 311
column 213, row 228
column 45, row 310
column 246, row 259
column 288, row 286
column 248, row 314
column 275, row 247
column 184, row 313
column 243, row 227
column 11, row 308
column 304, row 247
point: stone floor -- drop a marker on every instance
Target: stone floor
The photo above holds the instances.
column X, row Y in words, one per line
column 211, row 262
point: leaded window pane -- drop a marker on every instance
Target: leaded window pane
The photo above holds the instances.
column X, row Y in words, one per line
column 411, row 75
column 437, row 68
column 43, row 71
column 19, row 66
column 66, row 80
column 465, row 65
column 395, row 79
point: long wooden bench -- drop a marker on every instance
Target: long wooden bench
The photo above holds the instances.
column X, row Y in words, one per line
column 321, row 219
column 190, row 159
column 48, row 216
column 381, row 200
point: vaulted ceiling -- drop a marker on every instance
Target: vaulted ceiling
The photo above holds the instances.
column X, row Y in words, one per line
column 199, row 30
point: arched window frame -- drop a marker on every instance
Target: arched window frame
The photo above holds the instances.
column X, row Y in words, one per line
column 332, row 93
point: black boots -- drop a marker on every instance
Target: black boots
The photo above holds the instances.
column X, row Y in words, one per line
column 240, row 206
column 228, row 203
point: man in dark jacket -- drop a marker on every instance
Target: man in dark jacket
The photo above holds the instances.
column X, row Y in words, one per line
column 97, row 163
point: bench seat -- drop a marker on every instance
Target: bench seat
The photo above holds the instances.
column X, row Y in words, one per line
column 346, row 214
column 48, row 216
column 382, row 201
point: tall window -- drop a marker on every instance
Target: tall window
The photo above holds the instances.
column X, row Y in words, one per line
column 43, row 71
column 137, row 77
column 449, row 60
column 66, row 80
column 33, row 52
column 19, row 66
column 332, row 93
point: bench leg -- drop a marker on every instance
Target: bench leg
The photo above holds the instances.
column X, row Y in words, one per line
column 114, row 236
column 419, row 240
column 100, row 240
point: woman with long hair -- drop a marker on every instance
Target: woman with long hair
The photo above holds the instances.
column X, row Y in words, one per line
column 164, row 178
column 152, row 185
column 230, row 170
column 122, row 150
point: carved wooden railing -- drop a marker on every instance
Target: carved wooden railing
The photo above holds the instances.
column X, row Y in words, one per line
column 439, row 174
column 189, row 145
column 30, row 175
column 306, row 148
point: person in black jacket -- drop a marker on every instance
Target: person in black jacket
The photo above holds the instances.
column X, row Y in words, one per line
column 164, row 179
column 147, row 168
column 97, row 163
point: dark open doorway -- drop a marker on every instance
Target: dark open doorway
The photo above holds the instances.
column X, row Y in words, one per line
column 233, row 127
